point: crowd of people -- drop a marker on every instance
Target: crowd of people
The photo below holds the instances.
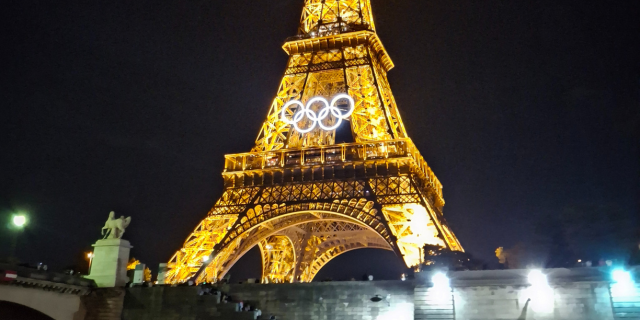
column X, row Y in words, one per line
column 240, row 306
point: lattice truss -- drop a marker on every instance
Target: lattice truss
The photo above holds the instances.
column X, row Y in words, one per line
column 297, row 254
column 312, row 191
column 300, row 226
column 230, row 237
column 187, row 261
column 326, row 84
column 413, row 227
column 262, row 222
column 332, row 16
column 278, row 259
column 351, row 69
column 414, row 221
column 394, row 190
column 294, row 245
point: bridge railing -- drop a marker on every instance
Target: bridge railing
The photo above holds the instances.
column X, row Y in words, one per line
column 28, row 275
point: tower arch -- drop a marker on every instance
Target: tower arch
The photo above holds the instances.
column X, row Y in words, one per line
column 321, row 222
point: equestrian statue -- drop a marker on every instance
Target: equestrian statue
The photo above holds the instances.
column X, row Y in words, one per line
column 115, row 227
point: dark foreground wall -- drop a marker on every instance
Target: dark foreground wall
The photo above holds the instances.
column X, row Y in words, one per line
column 570, row 294
column 328, row 300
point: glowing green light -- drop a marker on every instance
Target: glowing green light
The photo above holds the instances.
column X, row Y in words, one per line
column 19, row 220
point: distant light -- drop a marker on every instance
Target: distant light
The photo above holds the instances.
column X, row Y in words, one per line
column 269, row 247
column 621, row 276
column 440, row 280
column 403, row 277
column 579, row 260
column 90, row 255
column 205, row 258
column 19, row 220
column 536, row 277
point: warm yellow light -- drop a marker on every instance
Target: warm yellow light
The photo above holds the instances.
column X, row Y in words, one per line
column 90, row 255
column 338, row 61
column 19, row 220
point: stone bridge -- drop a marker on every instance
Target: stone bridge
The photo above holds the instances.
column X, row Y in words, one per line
column 27, row 292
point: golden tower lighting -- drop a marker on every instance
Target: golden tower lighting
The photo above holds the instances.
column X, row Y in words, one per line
column 302, row 198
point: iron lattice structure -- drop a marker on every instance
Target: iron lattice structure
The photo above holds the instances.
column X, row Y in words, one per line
column 302, row 198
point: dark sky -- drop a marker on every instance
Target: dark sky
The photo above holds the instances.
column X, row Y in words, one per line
column 522, row 108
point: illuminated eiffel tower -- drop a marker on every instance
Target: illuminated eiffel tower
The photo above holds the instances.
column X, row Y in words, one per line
column 302, row 198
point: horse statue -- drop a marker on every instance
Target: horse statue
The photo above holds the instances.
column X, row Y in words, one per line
column 115, row 227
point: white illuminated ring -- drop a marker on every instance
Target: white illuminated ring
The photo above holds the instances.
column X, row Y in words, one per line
column 316, row 119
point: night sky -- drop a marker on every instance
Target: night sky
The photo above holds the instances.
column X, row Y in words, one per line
column 521, row 108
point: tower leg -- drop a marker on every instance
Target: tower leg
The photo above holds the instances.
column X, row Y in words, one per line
column 278, row 259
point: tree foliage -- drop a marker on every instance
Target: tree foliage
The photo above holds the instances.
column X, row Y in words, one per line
column 436, row 257
column 590, row 232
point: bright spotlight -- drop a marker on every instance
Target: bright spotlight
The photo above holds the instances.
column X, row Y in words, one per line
column 19, row 220
column 205, row 258
column 540, row 293
column 536, row 277
column 621, row 276
column 440, row 280
column 623, row 285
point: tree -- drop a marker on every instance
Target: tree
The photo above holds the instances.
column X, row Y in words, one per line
column 519, row 256
column 147, row 274
column 589, row 232
column 436, row 257
column 133, row 262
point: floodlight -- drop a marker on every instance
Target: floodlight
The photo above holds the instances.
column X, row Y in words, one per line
column 621, row 276
column 536, row 277
column 440, row 279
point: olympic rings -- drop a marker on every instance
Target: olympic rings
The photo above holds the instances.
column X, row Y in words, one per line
column 316, row 119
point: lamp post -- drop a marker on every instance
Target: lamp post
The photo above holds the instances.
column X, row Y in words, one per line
column 18, row 222
column 90, row 256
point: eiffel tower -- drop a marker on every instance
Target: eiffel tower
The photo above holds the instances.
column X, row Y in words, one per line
column 304, row 199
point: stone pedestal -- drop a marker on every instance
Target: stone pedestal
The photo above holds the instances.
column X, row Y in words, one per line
column 162, row 273
column 109, row 266
column 138, row 274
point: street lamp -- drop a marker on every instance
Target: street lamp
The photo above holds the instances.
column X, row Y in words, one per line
column 18, row 221
column 90, row 256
